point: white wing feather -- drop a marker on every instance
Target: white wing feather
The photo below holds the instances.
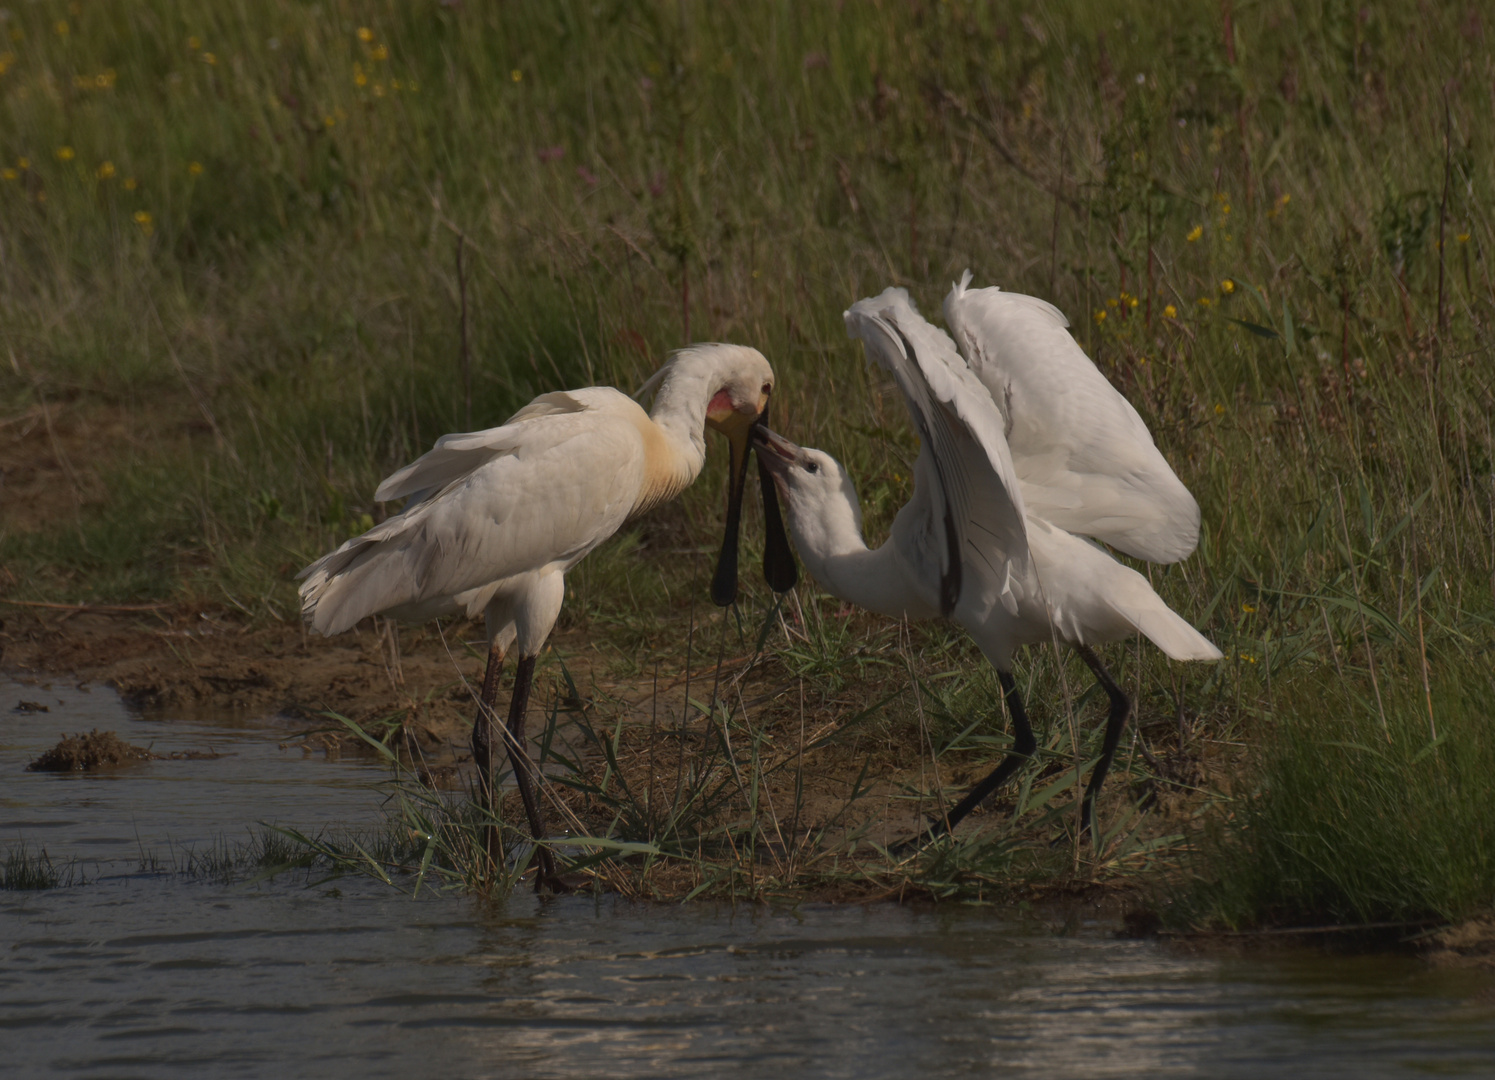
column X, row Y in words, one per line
column 1086, row 461
column 477, row 523
column 458, row 454
column 968, row 462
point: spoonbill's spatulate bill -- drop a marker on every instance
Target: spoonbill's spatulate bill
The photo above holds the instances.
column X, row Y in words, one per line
column 1026, row 450
column 494, row 519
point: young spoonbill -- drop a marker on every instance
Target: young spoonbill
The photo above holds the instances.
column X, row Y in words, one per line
column 494, row 519
column 1023, row 447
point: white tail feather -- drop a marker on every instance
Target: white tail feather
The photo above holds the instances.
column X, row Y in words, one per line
column 1168, row 630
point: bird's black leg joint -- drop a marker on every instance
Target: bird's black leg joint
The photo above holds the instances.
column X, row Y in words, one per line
column 1115, row 721
column 1023, row 745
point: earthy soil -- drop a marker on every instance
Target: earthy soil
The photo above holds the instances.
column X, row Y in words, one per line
column 426, row 678
column 49, row 452
column 1469, row 944
column 172, row 657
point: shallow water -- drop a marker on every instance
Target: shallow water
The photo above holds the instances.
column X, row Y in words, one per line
column 152, row 974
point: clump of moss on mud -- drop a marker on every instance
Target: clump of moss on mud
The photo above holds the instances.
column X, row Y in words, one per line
column 83, row 753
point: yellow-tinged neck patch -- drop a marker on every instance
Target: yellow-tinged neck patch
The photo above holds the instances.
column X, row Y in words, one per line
column 666, row 471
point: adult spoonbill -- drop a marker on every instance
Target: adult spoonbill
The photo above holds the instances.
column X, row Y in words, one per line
column 1026, row 449
column 494, row 519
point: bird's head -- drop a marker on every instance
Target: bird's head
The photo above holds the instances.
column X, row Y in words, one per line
column 824, row 513
column 735, row 382
column 739, row 389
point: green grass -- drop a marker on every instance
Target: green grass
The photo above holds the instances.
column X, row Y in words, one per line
column 23, row 869
column 1362, row 817
column 1309, row 196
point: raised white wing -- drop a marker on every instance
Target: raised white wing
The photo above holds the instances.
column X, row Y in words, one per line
column 974, row 514
column 542, row 490
column 1086, row 460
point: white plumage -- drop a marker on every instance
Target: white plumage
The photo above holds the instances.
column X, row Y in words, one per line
column 1027, row 451
column 492, row 514
column 494, row 519
column 1085, row 458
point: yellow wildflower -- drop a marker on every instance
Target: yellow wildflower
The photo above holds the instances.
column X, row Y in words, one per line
column 1205, row 301
column 380, row 52
column 1227, row 286
column 1100, row 315
column 516, row 74
column 365, row 35
column 1170, row 312
column 64, row 153
column 328, row 121
column 1463, row 238
column 360, row 79
column 105, row 170
column 1249, row 609
column 1219, row 409
column 130, row 184
column 1248, row 658
column 194, row 44
column 1195, row 233
column 1132, row 301
column 61, row 28
column 209, row 58
column 23, row 163
column 9, row 174
column 394, row 84
column 143, row 219
column 194, row 169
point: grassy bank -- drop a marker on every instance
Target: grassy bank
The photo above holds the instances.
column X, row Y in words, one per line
column 231, row 301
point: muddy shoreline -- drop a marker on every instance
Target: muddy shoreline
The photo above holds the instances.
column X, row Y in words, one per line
column 178, row 657
column 186, row 658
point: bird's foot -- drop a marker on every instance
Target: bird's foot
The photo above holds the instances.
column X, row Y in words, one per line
column 914, row 844
column 548, row 878
column 558, row 885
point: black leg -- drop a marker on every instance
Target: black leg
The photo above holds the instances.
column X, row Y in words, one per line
column 482, row 748
column 1120, row 706
column 523, row 768
column 1023, row 745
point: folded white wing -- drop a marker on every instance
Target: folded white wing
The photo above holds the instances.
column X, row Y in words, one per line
column 542, row 490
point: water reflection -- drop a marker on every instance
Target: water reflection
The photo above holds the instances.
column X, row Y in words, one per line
column 150, row 975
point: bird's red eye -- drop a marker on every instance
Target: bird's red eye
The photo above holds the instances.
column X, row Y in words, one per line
column 767, row 389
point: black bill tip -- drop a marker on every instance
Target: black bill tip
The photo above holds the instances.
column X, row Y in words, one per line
column 779, row 569
column 724, row 581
